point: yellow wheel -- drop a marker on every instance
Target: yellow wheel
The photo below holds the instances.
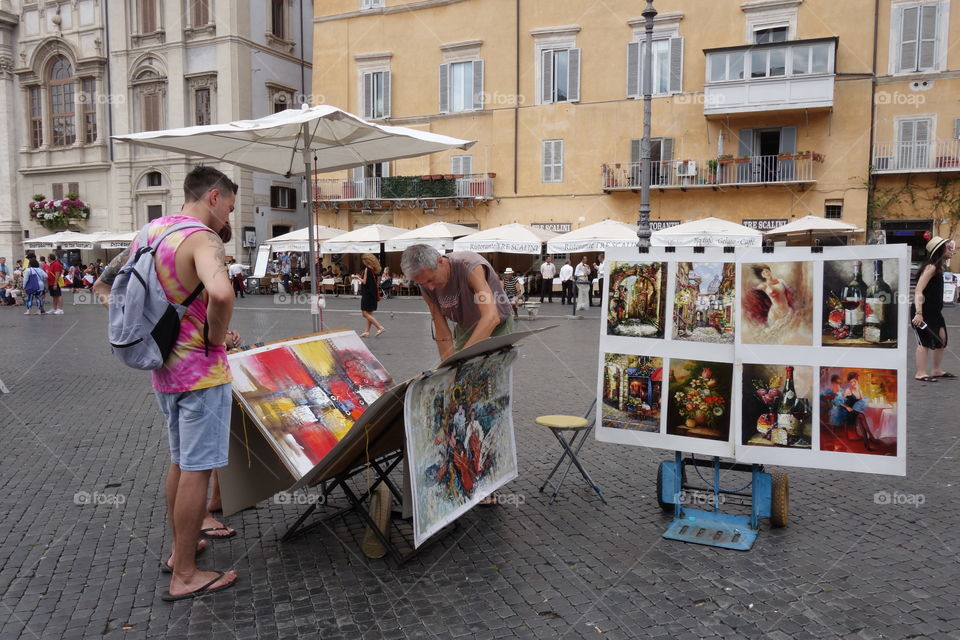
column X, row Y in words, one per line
column 780, row 499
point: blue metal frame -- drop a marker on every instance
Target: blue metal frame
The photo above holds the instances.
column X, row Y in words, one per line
column 714, row 528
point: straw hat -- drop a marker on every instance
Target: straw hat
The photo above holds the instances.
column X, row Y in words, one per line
column 508, row 270
column 935, row 243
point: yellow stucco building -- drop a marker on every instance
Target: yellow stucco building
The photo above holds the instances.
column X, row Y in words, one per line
column 763, row 111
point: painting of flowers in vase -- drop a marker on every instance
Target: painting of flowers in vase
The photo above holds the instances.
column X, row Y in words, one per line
column 698, row 404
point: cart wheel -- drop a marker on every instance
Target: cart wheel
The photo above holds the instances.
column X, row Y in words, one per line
column 667, row 506
column 780, row 509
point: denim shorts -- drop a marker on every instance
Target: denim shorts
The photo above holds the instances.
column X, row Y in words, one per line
column 198, row 424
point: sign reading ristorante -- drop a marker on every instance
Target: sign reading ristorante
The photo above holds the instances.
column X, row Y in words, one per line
column 764, row 224
column 660, row 225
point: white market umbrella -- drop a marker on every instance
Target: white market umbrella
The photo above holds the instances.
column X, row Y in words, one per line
column 509, row 238
column 299, row 240
column 707, row 232
column 812, row 224
column 598, row 236
column 439, row 235
column 111, row 240
column 64, row 240
column 299, row 142
column 363, row 240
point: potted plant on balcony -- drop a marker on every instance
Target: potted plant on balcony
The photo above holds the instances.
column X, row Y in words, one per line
column 712, row 167
column 819, row 157
column 785, row 156
column 803, row 155
column 741, row 159
column 725, row 159
column 58, row 214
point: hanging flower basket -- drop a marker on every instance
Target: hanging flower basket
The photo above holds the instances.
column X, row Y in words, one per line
column 58, row 214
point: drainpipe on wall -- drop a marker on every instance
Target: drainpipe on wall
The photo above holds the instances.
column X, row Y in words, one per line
column 106, row 37
column 873, row 119
column 516, row 106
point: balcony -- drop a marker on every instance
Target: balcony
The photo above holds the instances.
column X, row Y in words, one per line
column 935, row 156
column 713, row 173
column 430, row 191
column 778, row 76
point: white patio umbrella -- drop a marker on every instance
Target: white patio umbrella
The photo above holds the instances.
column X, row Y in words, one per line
column 64, row 240
column 363, row 240
column 509, row 238
column 598, row 236
column 111, row 240
column 299, row 142
column 439, row 235
column 810, row 224
column 707, row 232
column 299, row 239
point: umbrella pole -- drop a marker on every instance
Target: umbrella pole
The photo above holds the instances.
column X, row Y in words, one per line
column 311, row 233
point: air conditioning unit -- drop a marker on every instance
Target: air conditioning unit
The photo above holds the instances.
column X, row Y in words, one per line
column 685, row 168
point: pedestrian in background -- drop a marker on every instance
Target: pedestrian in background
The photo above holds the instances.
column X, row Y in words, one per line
column 34, row 280
column 548, row 271
column 370, row 287
column 566, row 283
column 927, row 310
column 55, row 283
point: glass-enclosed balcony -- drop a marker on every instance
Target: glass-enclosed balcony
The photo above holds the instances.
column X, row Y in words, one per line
column 777, row 76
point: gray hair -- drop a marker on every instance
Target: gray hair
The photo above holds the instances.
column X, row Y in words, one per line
column 418, row 257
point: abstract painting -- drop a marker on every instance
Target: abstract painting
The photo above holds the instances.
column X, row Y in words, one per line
column 860, row 303
column 632, row 390
column 776, row 406
column 305, row 394
column 460, row 442
column 699, row 399
column 703, row 302
column 858, row 410
column 777, row 303
column 637, row 299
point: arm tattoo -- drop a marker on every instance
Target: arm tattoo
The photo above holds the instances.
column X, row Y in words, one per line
column 220, row 254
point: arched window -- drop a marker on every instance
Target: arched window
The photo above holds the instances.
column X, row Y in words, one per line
column 149, row 84
column 61, row 84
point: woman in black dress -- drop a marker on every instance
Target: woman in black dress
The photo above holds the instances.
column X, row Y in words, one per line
column 928, row 307
column 369, row 286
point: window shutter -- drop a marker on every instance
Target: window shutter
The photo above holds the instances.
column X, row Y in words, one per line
column 907, row 134
column 357, row 173
column 455, row 164
column 635, row 150
column 788, row 140
column 922, row 132
column 386, row 94
column 368, row 95
column 73, row 187
column 558, row 160
column 151, row 112
column 676, row 65
column 546, row 76
column 58, row 191
column 643, row 60
column 633, row 69
column 744, row 170
column 956, row 128
column 927, row 57
column 573, row 76
column 666, row 149
column 466, row 165
column 478, row 84
column 546, row 172
column 444, row 88
column 908, row 38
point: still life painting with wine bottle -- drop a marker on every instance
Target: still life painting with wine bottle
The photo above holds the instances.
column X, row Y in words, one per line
column 776, row 406
column 860, row 303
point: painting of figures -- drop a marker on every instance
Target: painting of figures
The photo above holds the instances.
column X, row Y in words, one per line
column 860, row 303
column 858, row 410
column 777, row 302
column 305, row 394
column 699, row 399
column 460, row 443
column 637, row 299
column 632, row 390
column 776, row 406
column 704, row 299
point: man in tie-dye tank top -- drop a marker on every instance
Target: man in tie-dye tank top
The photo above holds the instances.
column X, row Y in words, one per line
column 193, row 386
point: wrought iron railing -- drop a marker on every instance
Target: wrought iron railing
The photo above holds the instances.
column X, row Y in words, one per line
column 474, row 185
column 781, row 168
column 926, row 155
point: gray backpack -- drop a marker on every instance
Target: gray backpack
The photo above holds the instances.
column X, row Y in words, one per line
column 144, row 324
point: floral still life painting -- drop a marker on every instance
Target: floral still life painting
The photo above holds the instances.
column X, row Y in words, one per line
column 777, row 303
column 698, row 404
column 460, row 441
column 637, row 299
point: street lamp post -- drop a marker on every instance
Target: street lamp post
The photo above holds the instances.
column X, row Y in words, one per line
column 646, row 75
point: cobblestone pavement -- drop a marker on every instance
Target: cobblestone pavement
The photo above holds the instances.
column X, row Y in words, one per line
column 83, row 527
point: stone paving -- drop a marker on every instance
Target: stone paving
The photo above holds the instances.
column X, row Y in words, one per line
column 83, row 527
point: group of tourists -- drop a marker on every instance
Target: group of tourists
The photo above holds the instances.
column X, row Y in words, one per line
column 28, row 282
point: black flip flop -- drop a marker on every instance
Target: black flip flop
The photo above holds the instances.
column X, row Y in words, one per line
column 166, row 568
column 926, row 379
column 945, row 374
column 205, row 590
column 207, row 536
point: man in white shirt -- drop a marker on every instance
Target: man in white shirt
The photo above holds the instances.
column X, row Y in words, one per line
column 235, row 273
column 566, row 283
column 600, row 271
column 548, row 272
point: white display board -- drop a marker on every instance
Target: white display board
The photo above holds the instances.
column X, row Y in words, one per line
column 263, row 257
column 696, row 348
